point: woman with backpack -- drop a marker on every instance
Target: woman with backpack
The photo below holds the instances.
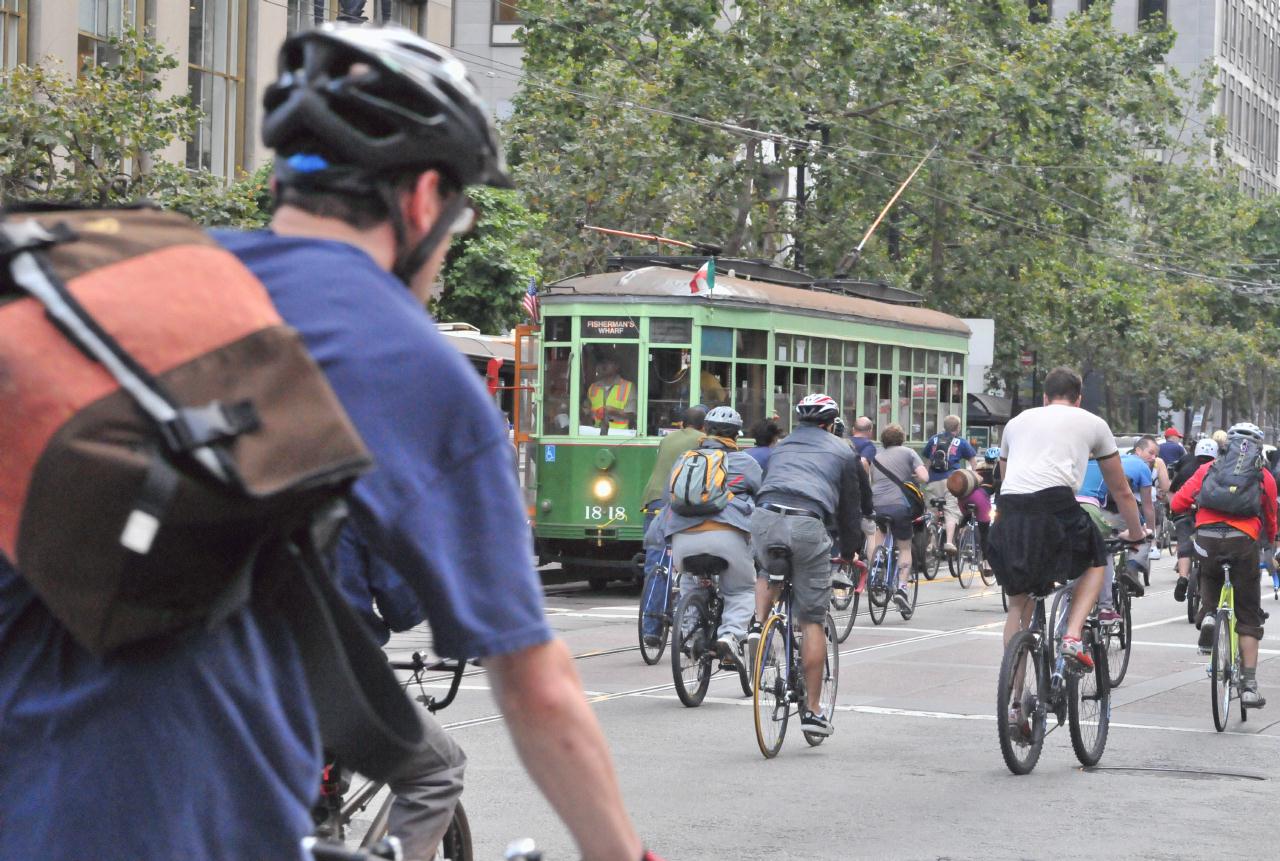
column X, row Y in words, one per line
column 893, row 467
column 709, row 512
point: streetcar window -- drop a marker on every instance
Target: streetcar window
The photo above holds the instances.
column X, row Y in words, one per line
column 557, row 328
column 783, row 348
column 873, row 358
column 670, row 330
column 801, row 351
column 818, row 381
column 850, row 354
column 555, row 391
column 877, row 398
column 917, row 407
column 932, row 358
column 711, row 384
column 753, row 344
column 748, row 393
column 849, row 405
column 886, row 358
column 818, row 353
column 609, row 391
column 717, row 341
column 668, row 390
column 917, row 361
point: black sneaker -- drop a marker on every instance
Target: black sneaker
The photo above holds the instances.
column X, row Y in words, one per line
column 652, row 641
column 1180, row 590
column 902, row 601
column 1206, row 635
column 815, row 723
column 1132, row 581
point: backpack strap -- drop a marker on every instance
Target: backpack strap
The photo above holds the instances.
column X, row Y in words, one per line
column 899, row 482
column 365, row 719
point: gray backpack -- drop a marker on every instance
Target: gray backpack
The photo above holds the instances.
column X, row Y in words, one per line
column 699, row 483
column 1233, row 484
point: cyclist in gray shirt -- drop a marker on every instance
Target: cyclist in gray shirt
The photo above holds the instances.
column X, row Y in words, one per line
column 812, row 479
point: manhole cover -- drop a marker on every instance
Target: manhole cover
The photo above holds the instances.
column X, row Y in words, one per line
column 1183, row 773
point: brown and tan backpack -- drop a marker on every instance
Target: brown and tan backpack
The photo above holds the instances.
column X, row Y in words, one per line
column 168, row 449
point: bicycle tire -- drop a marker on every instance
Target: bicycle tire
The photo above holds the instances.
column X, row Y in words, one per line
column 879, row 592
column 913, row 592
column 1022, row 752
column 770, row 696
column 653, row 654
column 1220, row 671
column 1193, row 594
column 966, row 557
column 1120, row 641
column 936, row 553
column 830, row 678
column 692, row 649
column 847, row 615
column 455, row 845
column 985, row 571
column 1080, row 717
column 1004, row 599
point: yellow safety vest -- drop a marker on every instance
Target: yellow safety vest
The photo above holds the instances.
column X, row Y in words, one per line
column 614, row 396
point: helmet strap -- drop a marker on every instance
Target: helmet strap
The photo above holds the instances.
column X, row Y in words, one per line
column 410, row 260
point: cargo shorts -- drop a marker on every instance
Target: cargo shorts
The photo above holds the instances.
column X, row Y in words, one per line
column 810, row 558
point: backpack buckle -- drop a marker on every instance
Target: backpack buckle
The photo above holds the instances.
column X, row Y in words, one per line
column 198, row 427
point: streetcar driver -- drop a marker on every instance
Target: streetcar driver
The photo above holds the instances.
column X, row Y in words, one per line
column 611, row 399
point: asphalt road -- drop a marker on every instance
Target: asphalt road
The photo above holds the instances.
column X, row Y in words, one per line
column 914, row 768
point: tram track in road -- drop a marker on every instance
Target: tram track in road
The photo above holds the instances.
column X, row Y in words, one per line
column 429, row 681
column 733, row 676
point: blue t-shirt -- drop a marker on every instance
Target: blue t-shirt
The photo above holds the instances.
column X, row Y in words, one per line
column 760, row 453
column 1135, row 470
column 206, row 748
column 960, row 450
column 864, row 447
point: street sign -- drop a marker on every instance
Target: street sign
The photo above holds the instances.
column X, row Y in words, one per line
column 1026, row 358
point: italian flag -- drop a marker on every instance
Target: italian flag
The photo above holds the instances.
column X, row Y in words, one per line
column 704, row 278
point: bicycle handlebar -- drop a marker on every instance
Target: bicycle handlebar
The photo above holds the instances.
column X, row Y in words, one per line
column 418, row 664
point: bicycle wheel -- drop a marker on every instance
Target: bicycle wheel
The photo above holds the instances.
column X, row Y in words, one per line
column 455, row 845
column 771, row 694
column 1004, row 599
column 1089, row 707
column 913, row 591
column 830, row 677
column 878, row 590
column 1119, row 639
column 967, row 557
column 937, row 537
column 845, row 610
column 1221, row 671
column 692, row 649
column 985, row 570
column 656, row 579
column 1018, row 697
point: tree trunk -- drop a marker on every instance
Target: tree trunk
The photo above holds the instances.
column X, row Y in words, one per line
column 733, row 247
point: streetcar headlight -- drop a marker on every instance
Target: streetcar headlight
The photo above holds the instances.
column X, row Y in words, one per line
column 603, row 488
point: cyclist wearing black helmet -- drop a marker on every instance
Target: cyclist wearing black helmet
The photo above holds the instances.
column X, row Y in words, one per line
column 812, row 479
column 377, row 135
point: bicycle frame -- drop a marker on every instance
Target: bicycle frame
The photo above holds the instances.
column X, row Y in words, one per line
column 891, row 563
column 1227, row 602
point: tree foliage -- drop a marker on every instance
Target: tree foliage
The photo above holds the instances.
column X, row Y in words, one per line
column 1072, row 196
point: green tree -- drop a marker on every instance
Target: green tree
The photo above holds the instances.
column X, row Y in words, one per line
column 1068, row 197
column 96, row 137
column 487, row 271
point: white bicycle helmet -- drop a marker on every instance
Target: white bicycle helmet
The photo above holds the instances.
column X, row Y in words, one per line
column 1207, row 447
column 1245, row 429
column 723, row 421
column 817, row 409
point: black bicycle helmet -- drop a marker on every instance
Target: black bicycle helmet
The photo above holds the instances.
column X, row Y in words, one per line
column 380, row 99
column 354, row 107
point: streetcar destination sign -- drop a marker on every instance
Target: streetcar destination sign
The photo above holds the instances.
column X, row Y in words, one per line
column 600, row 327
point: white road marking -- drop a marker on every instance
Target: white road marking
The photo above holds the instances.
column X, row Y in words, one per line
column 1182, row 616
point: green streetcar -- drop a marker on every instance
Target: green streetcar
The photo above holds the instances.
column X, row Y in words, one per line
column 625, row 352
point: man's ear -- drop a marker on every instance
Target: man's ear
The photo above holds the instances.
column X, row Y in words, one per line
column 423, row 204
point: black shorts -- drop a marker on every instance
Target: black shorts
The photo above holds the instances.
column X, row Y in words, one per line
column 901, row 523
column 1240, row 552
column 1041, row 540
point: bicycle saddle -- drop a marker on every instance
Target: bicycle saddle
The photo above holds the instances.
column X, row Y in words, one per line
column 704, row 565
column 882, row 519
column 779, row 564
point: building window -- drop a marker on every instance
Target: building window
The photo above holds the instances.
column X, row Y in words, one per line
column 1039, row 11
column 1086, row 5
column 99, row 21
column 1148, row 9
column 507, row 12
column 13, row 33
column 406, row 13
column 215, row 74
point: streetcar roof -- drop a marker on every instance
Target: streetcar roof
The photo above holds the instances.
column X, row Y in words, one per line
column 470, row 342
column 661, row 284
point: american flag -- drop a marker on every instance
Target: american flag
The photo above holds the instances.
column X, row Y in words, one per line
column 530, row 300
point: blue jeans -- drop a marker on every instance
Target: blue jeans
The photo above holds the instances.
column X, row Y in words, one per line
column 653, row 598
